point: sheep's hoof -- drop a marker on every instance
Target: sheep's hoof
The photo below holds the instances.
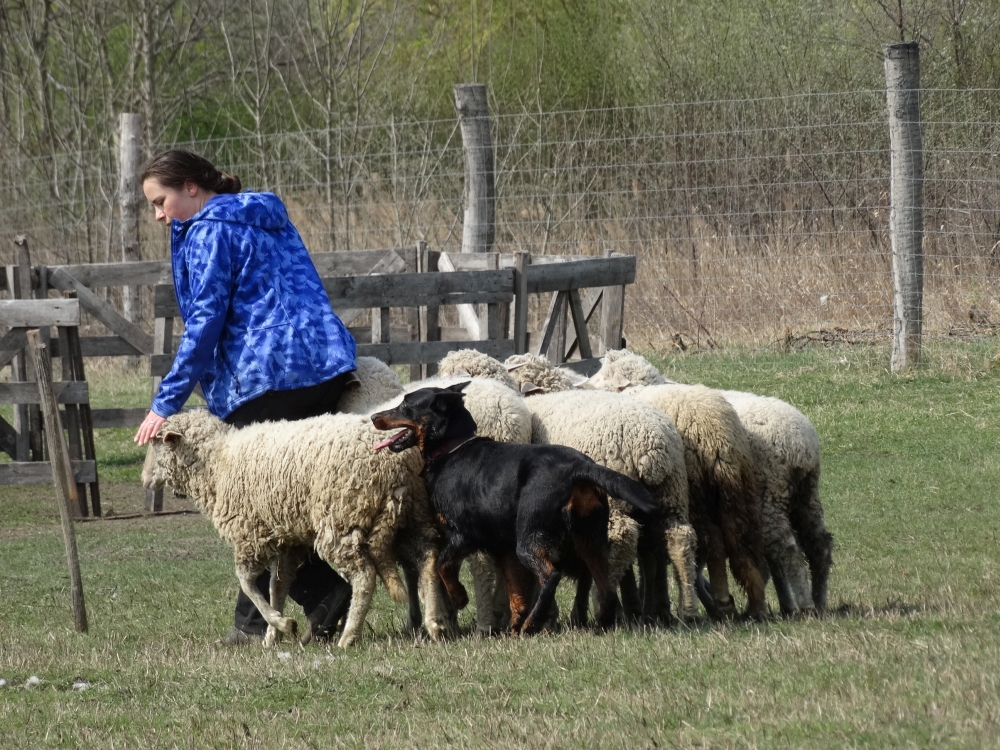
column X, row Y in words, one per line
column 437, row 630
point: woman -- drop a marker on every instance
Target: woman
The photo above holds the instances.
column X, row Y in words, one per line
column 259, row 334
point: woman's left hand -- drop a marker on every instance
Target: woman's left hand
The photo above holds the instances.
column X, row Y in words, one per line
column 149, row 427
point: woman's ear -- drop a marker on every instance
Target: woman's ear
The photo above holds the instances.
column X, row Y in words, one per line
column 191, row 188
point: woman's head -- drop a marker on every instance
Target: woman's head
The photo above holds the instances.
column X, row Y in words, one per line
column 178, row 183
column 174, row 167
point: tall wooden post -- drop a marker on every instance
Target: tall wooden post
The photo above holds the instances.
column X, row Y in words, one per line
column 62, row 473
column 906, row 198
column 129, row 203
column 477, row 150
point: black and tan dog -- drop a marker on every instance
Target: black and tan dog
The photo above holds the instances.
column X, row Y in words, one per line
column 539, row 510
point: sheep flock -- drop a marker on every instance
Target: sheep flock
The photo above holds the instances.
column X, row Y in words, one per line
column 736, row 476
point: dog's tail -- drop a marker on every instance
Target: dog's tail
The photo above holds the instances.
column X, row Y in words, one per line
column 625, row 489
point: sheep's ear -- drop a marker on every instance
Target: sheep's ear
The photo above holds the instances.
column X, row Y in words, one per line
column 575, row 378
column 528, row 388
column 518, row 366
column 618, row 382
column 172, row 437
column 462, row 374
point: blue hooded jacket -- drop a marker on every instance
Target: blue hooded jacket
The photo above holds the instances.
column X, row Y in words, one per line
column 256, row 315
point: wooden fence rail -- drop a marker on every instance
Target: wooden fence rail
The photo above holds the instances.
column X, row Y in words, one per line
column 492, row 291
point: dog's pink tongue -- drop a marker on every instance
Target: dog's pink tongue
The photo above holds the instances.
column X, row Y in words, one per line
column 388, row 441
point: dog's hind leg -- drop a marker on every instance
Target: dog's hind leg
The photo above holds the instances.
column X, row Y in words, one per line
column 519, row 583
column 549, row 577
column 581, row 604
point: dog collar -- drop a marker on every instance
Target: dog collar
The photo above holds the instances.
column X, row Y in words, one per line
column 449, row 447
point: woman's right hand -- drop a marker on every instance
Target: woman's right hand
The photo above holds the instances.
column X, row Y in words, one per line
column 149, row 427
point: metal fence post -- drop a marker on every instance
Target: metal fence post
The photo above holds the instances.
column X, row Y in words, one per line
column 906, row 197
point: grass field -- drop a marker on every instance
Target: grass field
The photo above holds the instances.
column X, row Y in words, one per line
column 908, row 657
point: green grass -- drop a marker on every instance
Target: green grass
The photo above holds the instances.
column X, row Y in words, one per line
column 909, row 656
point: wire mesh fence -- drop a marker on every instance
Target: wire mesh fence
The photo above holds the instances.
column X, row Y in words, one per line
column 755, row 222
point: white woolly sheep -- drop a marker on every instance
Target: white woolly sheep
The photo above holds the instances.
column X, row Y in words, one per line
column 725, row 501
column 274, row 488
column 629, row 437
column 787, row 462
column 377, row 383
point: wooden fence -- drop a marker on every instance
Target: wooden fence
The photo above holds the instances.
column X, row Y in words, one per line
column 491, row 293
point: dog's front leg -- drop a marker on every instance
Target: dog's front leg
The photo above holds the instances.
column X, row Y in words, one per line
column 449, row 565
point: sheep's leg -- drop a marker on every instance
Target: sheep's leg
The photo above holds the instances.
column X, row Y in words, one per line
column 705, row 596
column 247, row 572
column 631, row 599
column 661, row 592
column 362, row 588
column 806, row 515
column 282, row 577
column 437, row 621
column 485, row 580
column 715, row 558
column 413, row 615
column 591, row 552
column 680, row 548
column 788, row 567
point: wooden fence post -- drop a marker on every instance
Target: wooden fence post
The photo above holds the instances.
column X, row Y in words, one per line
column 612, row 315
column 520, row 316
column 62, row 472
column 477, row 150
column 129, row 201
column 906, row 200
column 430, row 328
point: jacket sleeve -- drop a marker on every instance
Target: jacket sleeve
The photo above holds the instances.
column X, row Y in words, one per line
column 207, row 256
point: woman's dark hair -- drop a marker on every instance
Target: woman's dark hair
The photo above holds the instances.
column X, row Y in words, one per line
column 174, row 167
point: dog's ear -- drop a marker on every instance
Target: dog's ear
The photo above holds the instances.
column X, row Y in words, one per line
column 458, row 387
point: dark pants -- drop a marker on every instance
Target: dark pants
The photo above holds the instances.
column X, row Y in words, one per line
column 315, row 579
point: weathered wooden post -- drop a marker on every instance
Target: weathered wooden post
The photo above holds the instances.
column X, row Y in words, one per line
column 612, row 315
column 62, row 472
column 479, row 220
column 477, row 150
column 906, row 199
column 129, row 202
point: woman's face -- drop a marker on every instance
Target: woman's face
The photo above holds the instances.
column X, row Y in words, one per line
column 170, row 203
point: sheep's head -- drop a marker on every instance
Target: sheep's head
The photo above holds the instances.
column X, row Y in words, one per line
column 621, row 369
column 471, row 363
column 535, row 374
column 175, row 455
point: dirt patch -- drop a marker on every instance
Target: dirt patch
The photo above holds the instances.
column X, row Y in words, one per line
column 31, row 510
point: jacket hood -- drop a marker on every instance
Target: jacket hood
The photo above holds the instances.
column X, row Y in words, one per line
column 263, row 210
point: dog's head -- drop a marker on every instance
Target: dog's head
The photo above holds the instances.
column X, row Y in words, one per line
column 429, row 417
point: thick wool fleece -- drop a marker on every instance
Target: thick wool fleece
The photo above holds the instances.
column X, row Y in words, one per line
column 787, row 457
column 472, row 363
column 377, row 383
column 639, row 441
column 722, row 481
column 315, row 482
column 538, row 371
